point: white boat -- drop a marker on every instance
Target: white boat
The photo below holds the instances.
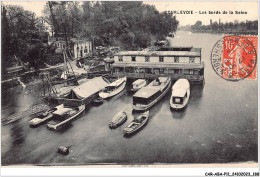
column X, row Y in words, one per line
column 113, row 89
column 137, row 123
column 180, row 94
column 138, row 84
column 118, row 119
column 151, row 94
column 44, row 117
column 64, row 116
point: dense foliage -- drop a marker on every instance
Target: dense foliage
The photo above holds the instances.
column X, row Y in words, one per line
column 130, row 25
column 23, row 37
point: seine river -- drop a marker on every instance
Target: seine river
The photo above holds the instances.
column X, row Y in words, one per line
column 219, row 125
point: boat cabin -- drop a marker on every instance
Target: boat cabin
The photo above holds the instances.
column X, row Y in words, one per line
column 179, row 91
column 145, row 96
column 109, row 89
column 179, row 96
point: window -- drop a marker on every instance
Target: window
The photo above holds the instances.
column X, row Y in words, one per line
column 192, row 59
column 133, row 58
column 176, row 59
column 147, row 59
column 191, row 71
column 120, row 58
column 161, row 59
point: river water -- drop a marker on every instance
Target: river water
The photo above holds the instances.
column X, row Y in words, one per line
column 219, row 125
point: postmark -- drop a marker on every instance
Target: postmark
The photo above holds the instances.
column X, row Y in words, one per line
column 235, row 57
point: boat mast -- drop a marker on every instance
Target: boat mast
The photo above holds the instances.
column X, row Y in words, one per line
column 66, row 69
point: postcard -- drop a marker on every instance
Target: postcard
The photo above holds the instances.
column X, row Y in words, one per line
column 129, row 84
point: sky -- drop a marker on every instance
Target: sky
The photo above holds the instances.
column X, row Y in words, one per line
column 184, row 19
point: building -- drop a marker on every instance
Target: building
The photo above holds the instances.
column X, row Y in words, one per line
column 47, row 25
column 176, row 62
column 79, row 48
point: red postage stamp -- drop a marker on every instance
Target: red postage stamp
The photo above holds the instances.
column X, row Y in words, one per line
column 235, row 57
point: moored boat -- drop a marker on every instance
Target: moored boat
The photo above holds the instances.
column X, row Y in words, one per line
column 180, row 94
column 151, row 94
column 137, row 123
column 64, row 116
column 98, row 100
column 44, row 117
column 138, row 84
column 118, row 120
column 114, row 88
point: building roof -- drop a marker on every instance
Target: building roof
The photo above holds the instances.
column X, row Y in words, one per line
column 161, row 65
column 195, row 52
column 146, row 92
column 87, row 89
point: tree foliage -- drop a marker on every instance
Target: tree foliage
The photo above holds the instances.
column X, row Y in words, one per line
column 128, row 24
column 22, row 33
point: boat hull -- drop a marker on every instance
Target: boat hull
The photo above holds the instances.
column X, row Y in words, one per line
column 39, row 121
column 111, row 94
column 133, row 131
column 145, row 107
column 118, row 120
column 115, row 125
column 127, row 133
column 66, row 121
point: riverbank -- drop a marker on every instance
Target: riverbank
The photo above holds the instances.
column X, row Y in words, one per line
column 233, row 32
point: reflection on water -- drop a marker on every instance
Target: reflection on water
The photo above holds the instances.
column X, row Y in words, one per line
column 219, row 125
column 17, row 134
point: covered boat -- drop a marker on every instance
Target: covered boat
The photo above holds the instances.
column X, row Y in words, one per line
column 137, row 124
column 151, row 94
column 44, row 117
column 64, row 116
column 138, row 84
column 118, row 119
column 114, row 88
column 180, row 94
column 85, row 93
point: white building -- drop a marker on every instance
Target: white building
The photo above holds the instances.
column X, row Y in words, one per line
column 176, row 62
column 81, row 48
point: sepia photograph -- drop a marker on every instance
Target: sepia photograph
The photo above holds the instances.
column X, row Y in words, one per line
column 129, row 83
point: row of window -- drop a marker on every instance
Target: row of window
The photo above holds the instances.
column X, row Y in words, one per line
column 85, row 49
column 158, row 71
column 161, row 59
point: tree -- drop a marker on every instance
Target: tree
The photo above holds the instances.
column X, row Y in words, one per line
column 22, row 33
column 111, row 22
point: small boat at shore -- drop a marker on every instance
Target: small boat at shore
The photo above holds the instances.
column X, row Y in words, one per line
column 180, row 94
column 113, row 89
column 118, row 120
column 138, row 84
column 64, row 116
column 44, row 117
column 137, row 124
column 151, row 94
